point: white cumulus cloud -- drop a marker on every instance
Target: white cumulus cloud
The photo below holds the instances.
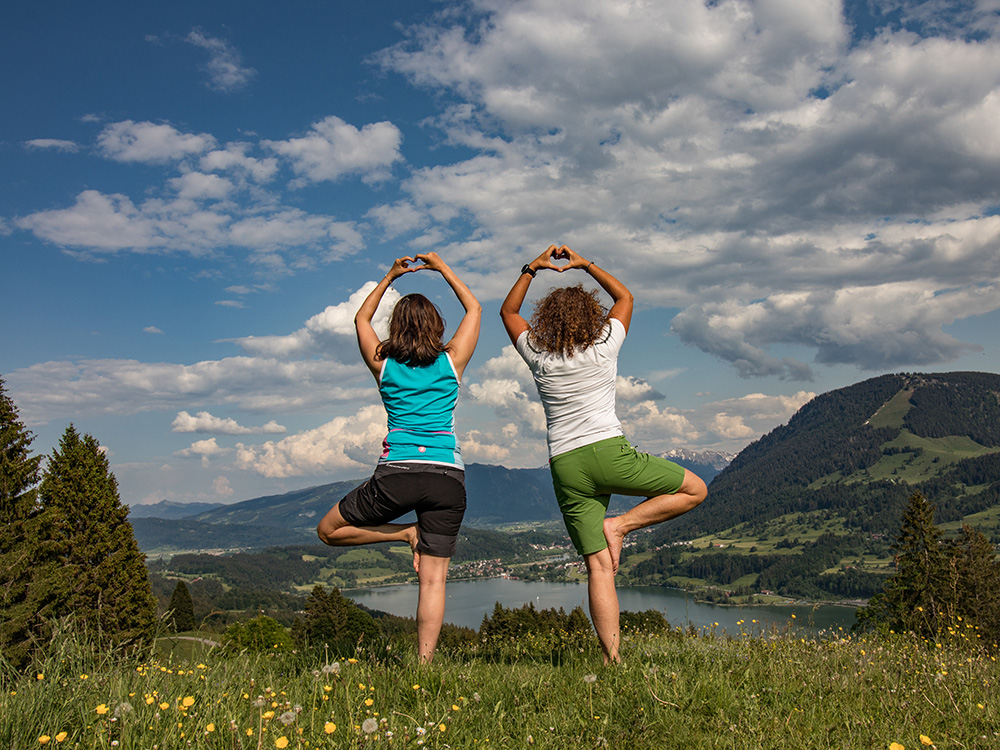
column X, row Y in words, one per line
column 334, row 148
column 150, row 142
column 351, row 442
column 204, row 421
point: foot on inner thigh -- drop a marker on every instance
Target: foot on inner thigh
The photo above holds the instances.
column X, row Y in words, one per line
column 616, row 540
column 412, row 537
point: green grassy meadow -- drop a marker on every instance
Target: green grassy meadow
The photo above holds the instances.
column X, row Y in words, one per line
column 679, row 690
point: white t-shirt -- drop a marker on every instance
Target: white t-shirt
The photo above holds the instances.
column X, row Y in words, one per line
column 578, row 392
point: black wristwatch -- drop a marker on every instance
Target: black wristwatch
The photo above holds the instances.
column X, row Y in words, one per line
column 528, row 270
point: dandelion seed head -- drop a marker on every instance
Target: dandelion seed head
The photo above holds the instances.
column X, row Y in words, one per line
column 369, row 725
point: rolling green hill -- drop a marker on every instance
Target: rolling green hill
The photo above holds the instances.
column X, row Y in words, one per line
column 861, row 451
column 810, row 508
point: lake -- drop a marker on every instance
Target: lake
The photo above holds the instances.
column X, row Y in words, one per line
column 469, row 601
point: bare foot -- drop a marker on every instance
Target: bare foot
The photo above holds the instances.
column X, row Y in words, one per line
column 615, row 539
column 412, row 538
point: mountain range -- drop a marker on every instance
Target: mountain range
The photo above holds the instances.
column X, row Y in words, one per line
column 496, row 495
column 846, row 462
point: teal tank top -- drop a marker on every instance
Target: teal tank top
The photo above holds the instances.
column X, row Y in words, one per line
column 420, row 405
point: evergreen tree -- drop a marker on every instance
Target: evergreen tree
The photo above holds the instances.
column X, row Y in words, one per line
column 331, row 618
column 23, row 604
column 18, row 470
column 917, row 597
column 182, row 608
column 103, row 578
column 978, row 585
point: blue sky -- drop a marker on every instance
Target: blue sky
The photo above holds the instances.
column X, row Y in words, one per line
column 801, row 194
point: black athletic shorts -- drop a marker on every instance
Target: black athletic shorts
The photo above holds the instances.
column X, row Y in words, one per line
column 436, row 493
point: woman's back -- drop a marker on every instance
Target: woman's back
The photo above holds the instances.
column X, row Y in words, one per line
column 420, row 404
column 578, row 392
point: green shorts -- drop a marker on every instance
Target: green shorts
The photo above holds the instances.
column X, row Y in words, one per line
column 585, row 478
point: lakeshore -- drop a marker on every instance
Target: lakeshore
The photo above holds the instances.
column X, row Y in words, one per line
column 469, row 600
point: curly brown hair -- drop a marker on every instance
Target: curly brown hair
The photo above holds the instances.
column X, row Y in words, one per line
column 567, row 319
column 415, row 331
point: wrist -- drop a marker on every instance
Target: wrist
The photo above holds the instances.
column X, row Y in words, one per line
column 527, row 269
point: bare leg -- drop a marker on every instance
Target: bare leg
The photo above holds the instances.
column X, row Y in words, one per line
column 430, row 604
column 337, row 532
column 651, row 511
column 603, row 602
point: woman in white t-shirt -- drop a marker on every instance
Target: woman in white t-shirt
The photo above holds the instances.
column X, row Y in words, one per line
column 571, row 346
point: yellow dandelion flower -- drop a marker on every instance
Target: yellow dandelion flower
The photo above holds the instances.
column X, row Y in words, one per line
column 149, row 700
column 980, row 706
column 102, row 709
column 368, row 701
column 164, row 706
column 268, row 715
column 61, row 737
column 896, row 746
column 188, row 701
column 416, row 687
column 281, row 742
column 250, row 732
column 352, row 661
column 329, row 727
column 441, row 727
column 925, row 740
column 327, row 688
column 39, row 676
column 455, row 707
column 210, row 728
column 44, row 739
column 85, row 677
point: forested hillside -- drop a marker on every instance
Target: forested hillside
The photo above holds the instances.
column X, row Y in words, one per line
column 810, row 508
column 860, row 450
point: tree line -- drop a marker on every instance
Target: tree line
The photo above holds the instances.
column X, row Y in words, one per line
column 941, row 587
column 67, row 549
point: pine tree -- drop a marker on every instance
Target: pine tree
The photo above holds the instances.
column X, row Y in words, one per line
column 103, row 573
column 978, row 586
column 182, row 608
column 331, row 618
column 18, row 470
column 918, row 596
column 23, row 605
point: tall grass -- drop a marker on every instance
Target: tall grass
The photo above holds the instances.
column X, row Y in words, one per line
column 676, row 690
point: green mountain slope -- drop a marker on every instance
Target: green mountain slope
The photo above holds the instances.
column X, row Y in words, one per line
column 858, row 453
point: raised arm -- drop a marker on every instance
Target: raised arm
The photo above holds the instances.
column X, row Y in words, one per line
column 510, row 310
column 623, row 299
column 368, row 340
column 463, row 343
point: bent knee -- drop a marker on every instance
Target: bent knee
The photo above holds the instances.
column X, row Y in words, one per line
column 695, row 487
column 323, row 532
column 327, row 528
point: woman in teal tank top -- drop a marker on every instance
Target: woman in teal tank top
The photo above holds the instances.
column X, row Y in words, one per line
column 420, row 468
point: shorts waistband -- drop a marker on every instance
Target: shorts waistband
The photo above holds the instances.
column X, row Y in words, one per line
column 611, row 442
